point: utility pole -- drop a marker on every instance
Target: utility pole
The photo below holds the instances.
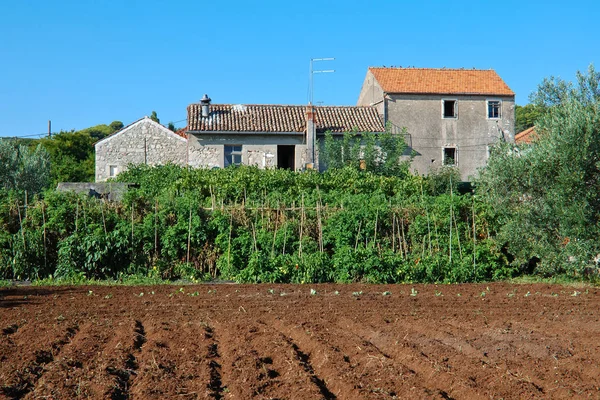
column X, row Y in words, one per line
column 49, row 128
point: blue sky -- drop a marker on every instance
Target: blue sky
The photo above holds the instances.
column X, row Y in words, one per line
column 81, row 63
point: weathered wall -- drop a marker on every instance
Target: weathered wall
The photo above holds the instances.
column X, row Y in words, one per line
column 144, row 142
column 471, row 132
column 371, row 93
column 207, row 150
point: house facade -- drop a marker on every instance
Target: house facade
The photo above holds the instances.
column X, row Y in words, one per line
column 142, row 142
column 452, row 116
column 268, row 136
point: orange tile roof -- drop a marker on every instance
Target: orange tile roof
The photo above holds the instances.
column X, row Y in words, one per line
column 440, row 81
column 527, row 136
column 259, row 118
column 182, row 132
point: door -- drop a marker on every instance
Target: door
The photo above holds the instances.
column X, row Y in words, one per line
column 286, row 157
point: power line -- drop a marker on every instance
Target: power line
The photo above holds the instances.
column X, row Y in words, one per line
column 25, row 136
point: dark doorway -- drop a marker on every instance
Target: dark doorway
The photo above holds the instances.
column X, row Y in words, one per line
column 286, row 157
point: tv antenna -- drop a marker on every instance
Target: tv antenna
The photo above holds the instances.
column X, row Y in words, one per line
column 313, row 72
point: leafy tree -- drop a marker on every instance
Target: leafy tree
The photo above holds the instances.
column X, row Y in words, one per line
column 23, row 169
column 378, row 153
column 116, row 126
column 526, row 116
column 72, row 155
column 99, row 132
column 154, row 117
column 554, row 91
column 171, row 126
column 547, row 195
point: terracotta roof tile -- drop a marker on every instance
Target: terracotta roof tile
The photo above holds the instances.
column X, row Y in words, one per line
column 182, row 132
column 527, row 136
column 440, row 81
column 282, row 118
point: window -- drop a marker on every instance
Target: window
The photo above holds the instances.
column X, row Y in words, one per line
column 494, row 109
column 233, row 155
column 113, row 170
column 449, row 156
column 449, row 108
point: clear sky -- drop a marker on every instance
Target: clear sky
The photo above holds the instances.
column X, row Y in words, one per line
column 81, row 63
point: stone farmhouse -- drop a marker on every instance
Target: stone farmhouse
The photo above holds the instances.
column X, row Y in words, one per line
column 142, row 142
column 219, row 135
column 452, row 116
column 266, row 136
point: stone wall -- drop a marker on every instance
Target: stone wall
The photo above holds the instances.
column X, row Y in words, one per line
column 471, row 132
column 113, row 191
column 143, row 142
column 260, row 150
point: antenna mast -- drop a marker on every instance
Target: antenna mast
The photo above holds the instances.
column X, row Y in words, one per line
column 312, row 72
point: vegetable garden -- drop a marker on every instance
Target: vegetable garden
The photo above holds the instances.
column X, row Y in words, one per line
column 249, row 225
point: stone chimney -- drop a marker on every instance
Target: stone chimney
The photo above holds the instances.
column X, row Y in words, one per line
column 205, row 104
column 311, row 133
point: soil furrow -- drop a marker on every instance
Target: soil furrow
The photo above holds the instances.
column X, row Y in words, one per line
column 72, row 373
column 124, row 375
column 273, row 341
column 258, row 362
column 400, row 347
column 24, row 380
column 304, row 360
column 343, row 377
column 215, row 384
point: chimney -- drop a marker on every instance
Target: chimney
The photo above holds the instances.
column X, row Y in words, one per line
column 205, row 104
column 310, row 133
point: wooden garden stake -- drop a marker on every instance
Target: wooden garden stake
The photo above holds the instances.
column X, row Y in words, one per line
column 189, row 235
column 156, row 229
column 375, row 233
column 320, row 227
column 427, row 215
column 301, row 227
column 45, row 250
column 404, row 245
column 275, row 233
column 84, row 216
column 474, row 235
column 393, row 231
column 357, row 236
column 458, row 238
column 103, row 219
column 229, row 242
column 21, row 225
column 284, row 241
column 132, row 227
column 451, row 211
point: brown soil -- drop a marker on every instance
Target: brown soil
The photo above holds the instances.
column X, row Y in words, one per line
column 282, row 342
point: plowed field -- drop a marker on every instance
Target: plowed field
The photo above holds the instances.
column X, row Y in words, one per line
column 288, row 342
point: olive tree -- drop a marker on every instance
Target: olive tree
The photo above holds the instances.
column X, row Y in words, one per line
column 547, row 195
column 22, row 168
